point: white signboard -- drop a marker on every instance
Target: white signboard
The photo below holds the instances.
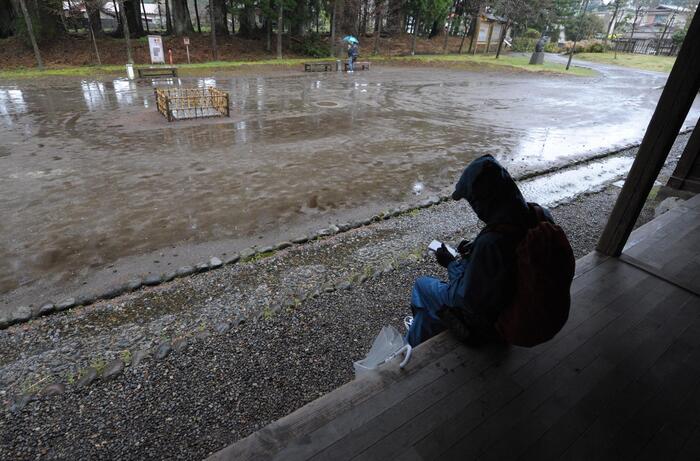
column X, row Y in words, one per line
column 155, row 45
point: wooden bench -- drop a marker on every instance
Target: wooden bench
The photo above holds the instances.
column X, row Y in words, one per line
column 157, row 71
column 319, row 66
column 358, row 65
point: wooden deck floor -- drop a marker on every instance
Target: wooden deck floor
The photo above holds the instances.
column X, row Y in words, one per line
column 621, row 381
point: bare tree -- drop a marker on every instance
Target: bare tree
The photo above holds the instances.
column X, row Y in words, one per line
column 617, row 5
column 30, row 32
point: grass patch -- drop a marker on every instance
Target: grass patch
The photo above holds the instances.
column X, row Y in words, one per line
column 476, row 62
column 637, row 61
column 258, row 256
column 513, row 62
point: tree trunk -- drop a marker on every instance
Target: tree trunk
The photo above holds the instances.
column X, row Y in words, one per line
column 94, row 40
column 94, row 19
column 133, row 16
column 127, row 34
column 280, row 28
column 196, row 14
column 30, row 32
column 298, row 19
column 268, row 26
column 182, row 21
column 349, row 18
column 506, row 26
column 220, row 17
column 634, row 23
column 474, row 44
column 168, row 19
column 145, row 17
column 365, row 14
column 447, row 36
column 612, row 21
column 378, row 31
column 212, row 22
column 334, row 15
column 416, row 22
column 246, row 19
column 464, row 35
column 7, row 19
column 394, row 18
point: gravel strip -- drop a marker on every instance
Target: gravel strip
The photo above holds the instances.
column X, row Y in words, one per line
column 290, row 336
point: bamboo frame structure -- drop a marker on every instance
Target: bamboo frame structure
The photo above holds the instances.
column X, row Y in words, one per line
column 191, row 103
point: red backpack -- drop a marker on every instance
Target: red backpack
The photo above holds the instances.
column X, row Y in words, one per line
column 545, row 268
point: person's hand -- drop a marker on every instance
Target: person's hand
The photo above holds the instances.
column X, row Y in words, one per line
column 443, row 256
column 464, row 247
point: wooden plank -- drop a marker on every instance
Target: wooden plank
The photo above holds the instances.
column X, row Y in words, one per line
column 566, row 374
column 538, row 387
column 395, row 422
column 615, row 409
column 678, row 95
column 518, row 422
column 613, row 388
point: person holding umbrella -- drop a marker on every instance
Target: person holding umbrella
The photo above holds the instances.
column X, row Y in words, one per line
column 353, row 51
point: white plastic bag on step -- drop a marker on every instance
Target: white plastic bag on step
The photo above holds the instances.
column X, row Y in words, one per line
column 387, row 345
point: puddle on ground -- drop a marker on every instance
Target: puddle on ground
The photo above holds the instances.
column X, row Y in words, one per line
column 90, row 173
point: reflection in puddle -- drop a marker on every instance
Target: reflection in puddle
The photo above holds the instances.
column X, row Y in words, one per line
column 12, row 102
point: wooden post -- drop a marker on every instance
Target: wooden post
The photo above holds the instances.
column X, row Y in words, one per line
column 688, row 159
column 32, row 38
column 678, row 95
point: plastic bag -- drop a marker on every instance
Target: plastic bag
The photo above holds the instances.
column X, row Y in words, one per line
column 387, row 345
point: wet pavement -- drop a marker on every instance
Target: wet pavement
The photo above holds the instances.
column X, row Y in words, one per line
column 97, row 186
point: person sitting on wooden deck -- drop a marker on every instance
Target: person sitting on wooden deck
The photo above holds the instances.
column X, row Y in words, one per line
column 512, row 283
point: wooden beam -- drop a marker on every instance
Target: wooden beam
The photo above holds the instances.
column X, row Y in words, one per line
column 688, row 159
column 678, row 95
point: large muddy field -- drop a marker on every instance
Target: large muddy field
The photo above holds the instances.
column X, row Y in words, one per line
column 97, row 187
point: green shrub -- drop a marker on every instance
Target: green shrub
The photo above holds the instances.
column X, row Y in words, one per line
column 532, row 33
column 523, row 44
column 552, row 47
column 312, row 45
column 596, row 48
column 678, row 37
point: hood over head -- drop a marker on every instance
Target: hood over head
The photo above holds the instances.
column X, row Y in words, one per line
column 491, row 192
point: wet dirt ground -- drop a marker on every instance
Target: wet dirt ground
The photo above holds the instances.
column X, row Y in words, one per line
column 98, row 187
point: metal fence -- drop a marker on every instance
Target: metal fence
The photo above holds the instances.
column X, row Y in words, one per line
column 665, row 47
column 189, row 103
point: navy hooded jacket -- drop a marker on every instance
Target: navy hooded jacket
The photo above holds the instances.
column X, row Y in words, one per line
column 483, row 283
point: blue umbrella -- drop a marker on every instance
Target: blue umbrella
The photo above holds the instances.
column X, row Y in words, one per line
column 350, row 39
